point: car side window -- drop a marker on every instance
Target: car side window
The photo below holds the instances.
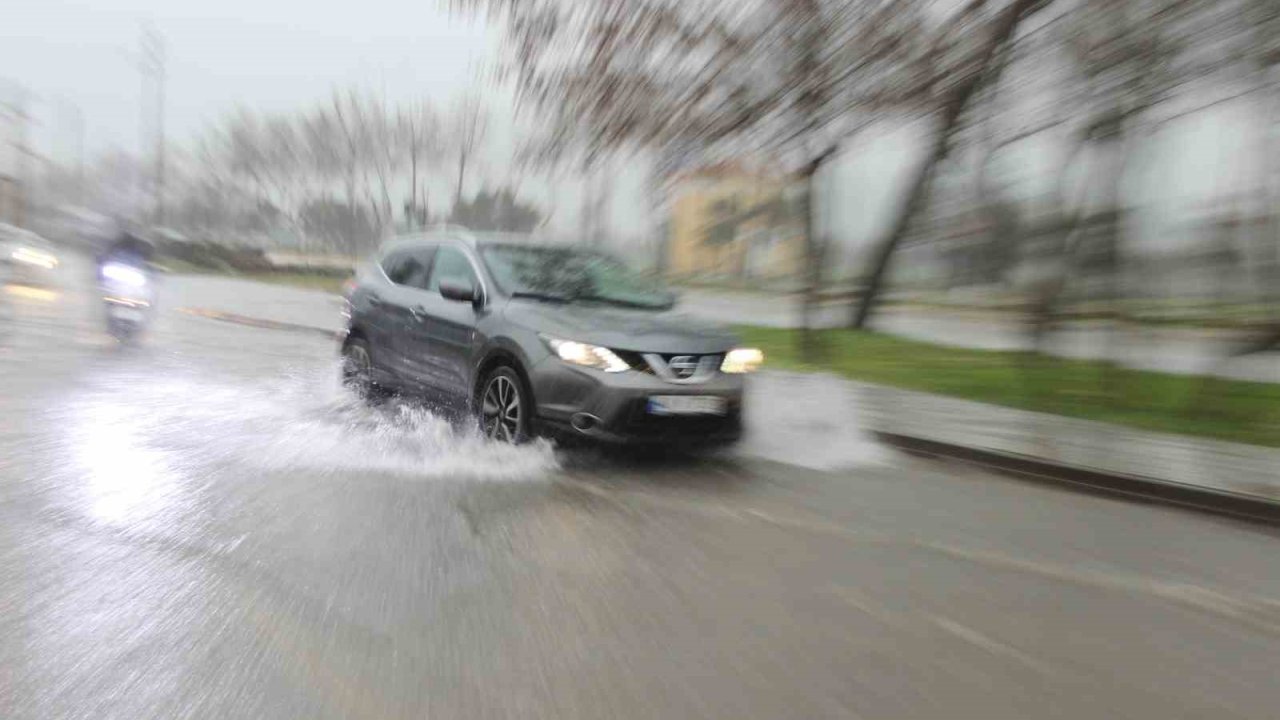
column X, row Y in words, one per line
column 407, row 267
column 451, row 263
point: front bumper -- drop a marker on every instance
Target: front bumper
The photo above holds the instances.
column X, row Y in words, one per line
column 617, row 404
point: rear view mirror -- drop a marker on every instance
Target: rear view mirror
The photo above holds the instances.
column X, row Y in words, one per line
column 459, row 290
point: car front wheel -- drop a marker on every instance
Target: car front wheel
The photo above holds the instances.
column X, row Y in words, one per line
column 504, row 407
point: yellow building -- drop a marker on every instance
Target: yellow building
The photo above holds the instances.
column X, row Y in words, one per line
column 728, row 222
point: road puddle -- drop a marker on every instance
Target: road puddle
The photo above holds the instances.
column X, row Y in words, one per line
column 302, row 421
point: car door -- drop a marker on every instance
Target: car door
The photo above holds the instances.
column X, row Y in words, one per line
column 406, row 273
column 371, row 312
column 447, row 327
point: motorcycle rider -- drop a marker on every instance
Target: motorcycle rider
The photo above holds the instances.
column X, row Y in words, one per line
column 127, row 249
column 126, row 276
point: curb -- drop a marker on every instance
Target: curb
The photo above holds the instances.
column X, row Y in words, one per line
column 258, row 322
column 1219, row 502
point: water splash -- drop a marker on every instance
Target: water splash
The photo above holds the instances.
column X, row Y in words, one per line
column 303, row 420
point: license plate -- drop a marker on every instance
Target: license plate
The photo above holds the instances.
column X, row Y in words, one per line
column 129, row 314
column 687, row 405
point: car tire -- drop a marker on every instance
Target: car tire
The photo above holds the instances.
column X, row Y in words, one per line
column 357, row 369
column 503, row 406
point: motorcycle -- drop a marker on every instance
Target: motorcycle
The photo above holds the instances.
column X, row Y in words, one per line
column 129, row 295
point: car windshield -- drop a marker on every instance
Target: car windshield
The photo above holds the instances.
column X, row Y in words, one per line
column 572, row 274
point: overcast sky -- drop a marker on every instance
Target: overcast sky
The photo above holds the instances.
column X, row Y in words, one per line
column 265, row 54
column 282, row 55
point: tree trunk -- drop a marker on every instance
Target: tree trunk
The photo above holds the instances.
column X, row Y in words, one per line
column 952, row 109
column 413, row 188
column 387, row 211
column 601, row 209
column 462, row 172
column 813, row 259
column 589, row 207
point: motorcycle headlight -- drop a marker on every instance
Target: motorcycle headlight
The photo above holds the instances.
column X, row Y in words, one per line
column 742, row 360
column 125, row 275
column 592, row 356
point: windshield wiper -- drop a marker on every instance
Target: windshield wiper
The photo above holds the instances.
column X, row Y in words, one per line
column 545, row 297
column 625, row 303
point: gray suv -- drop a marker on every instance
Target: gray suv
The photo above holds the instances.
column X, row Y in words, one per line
column 533, row 338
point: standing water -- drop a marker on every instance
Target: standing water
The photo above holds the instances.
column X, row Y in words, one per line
column 304, row 420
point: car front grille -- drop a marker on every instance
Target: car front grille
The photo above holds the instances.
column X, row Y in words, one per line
column 674, row 367
column 635, row 360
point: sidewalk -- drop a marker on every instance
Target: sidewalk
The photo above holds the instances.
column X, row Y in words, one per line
column 1231, row 478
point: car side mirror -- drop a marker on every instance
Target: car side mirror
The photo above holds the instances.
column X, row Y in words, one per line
column 458, row 290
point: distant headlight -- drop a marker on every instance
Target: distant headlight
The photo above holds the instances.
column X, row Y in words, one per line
column 742, row 360
column 35, row 257
column 592, row 356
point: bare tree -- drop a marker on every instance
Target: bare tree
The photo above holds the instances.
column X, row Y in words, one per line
column 782, row 81
column 387, row 153
column 284, row 164
column 420, row 129
column 349, row 146
column 975, row 62
column 330, row 173
column 1260, row 55
column 467, row 126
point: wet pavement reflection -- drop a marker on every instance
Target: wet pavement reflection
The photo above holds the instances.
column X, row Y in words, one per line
column 205, row 525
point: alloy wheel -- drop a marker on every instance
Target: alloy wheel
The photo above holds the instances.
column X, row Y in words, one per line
column 501, row 409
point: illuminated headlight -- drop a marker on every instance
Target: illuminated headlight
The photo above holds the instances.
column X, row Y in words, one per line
column 742, row 360
column 35, row 257
column 592, row 356
column 125, row 275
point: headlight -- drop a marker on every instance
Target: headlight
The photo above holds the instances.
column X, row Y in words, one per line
column 742, row 360
column 35, row 257
column 592, row 356
column 125, row 275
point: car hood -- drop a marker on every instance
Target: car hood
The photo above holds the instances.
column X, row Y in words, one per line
column 661, row 331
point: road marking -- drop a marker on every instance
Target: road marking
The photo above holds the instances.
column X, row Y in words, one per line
column 910, row 622
column 28, row 292
column 255, row 322
column 1260, row 613
column 859, row 601
column 991, row 645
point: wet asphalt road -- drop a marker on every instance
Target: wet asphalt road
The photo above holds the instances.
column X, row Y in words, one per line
column 205, row 526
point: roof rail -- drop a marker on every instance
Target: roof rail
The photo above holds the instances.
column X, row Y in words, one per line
column 426, row 231
column 461, row 231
